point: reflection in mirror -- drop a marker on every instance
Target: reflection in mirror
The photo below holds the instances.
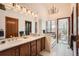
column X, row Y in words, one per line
column 51, row 28
column 1, row 33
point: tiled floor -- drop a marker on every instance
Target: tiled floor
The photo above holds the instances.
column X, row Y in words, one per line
column 60, row 49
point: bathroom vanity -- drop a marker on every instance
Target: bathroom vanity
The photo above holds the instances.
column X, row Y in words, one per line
column 29, row 46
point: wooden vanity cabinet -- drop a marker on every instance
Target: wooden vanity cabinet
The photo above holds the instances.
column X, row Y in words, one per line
column 10, row 52
column 33, row 48
column 38, row 46
column 43, row 43
column 25, row 49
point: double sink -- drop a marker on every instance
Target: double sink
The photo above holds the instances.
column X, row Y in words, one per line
column 14, row 39
column 17, row 39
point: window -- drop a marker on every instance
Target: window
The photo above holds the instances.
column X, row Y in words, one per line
column 51, row 28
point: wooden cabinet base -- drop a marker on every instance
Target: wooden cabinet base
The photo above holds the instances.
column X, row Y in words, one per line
column 32, row 48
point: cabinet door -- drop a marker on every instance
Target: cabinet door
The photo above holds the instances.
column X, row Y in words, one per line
column 17, row 51
column 42, row 43
column 9, row 52
column 38, row 46
column 33, row 48
column 25, row 50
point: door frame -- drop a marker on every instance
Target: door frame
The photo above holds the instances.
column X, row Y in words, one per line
column 68, row 27
column 77, row 12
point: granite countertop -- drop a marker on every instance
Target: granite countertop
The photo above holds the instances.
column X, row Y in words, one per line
column 19, row 41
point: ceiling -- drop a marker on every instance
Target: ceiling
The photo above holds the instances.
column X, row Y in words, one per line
column 64, row 9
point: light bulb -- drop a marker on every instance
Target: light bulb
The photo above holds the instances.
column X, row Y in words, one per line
column 29, row 12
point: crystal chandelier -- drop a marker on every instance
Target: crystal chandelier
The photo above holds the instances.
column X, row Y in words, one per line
column 53, row 10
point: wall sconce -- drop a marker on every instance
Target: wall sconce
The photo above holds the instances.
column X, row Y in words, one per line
column 8, row 6
column 32, row 14
column 36, row 15
column 29, row 12
column 17, row 7
column 24, row 9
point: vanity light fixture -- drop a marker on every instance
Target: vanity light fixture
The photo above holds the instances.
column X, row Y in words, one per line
column 36, row 15
column 24, row 10
column 17, row 7
column 21, row 9
column 29, row 12
column 32, row 14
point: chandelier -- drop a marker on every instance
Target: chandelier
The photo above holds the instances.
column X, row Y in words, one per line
column 53, row 10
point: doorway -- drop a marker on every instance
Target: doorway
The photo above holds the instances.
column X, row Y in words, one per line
column 63, row 30
column 11, row 27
